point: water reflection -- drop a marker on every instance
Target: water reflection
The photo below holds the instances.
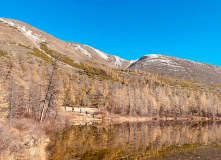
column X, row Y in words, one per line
column 133, row 140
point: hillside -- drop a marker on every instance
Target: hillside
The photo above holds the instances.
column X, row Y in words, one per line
column 178, row 68
column 13, row 32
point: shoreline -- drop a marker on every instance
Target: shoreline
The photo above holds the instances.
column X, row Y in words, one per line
column 78, row 117
column 122, row 119
column 39, row 144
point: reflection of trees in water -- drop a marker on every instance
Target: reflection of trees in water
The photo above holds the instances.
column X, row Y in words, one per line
column 132, row 139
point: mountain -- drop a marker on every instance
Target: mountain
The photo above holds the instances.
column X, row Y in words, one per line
column 178, row 68
column 14, row 32
column 18, row 37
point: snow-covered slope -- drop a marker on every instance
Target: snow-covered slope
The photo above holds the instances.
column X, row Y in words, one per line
column 81, row 49
column 17, row 32
column 100, row 53
column 14, row 34
column 101, row 57
column 23, row 29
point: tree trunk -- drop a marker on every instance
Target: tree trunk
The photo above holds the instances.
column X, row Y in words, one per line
column 11, row 101
column 47, row 93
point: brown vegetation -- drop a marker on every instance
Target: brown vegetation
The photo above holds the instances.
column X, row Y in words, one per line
column 41, row 89
column 25, row 139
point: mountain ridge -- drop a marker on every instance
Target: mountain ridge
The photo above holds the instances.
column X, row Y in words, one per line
column 22, row 33
column 178, row 68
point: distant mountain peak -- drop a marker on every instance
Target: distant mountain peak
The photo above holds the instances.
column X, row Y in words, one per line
column 178, row 68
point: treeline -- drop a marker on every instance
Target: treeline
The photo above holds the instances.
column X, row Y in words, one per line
column 143, row 97
column 29, row 87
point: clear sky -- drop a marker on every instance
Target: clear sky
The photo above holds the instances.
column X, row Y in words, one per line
column 188, row 29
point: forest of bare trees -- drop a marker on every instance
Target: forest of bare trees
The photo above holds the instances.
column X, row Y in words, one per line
column 26, row 89
column 33, row 88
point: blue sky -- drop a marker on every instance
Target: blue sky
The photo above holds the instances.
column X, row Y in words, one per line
column 188, row 29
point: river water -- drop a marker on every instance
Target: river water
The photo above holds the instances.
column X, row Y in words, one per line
column 152, row 140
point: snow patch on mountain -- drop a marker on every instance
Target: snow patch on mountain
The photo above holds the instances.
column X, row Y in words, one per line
column 198, row 63
column 29, row 33
column 132, row 61
column 153, row 56
column 162, row 61
column 102, row 54
column 7, row 22
column 78, row 47
column 119, row 61
column 22, row 29
column 218, row 69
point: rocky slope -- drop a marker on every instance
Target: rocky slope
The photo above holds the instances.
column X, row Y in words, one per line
column 178, row 68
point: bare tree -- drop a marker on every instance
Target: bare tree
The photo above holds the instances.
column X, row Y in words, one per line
column 51, row 92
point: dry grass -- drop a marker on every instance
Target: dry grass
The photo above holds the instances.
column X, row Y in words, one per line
column 25, row 139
